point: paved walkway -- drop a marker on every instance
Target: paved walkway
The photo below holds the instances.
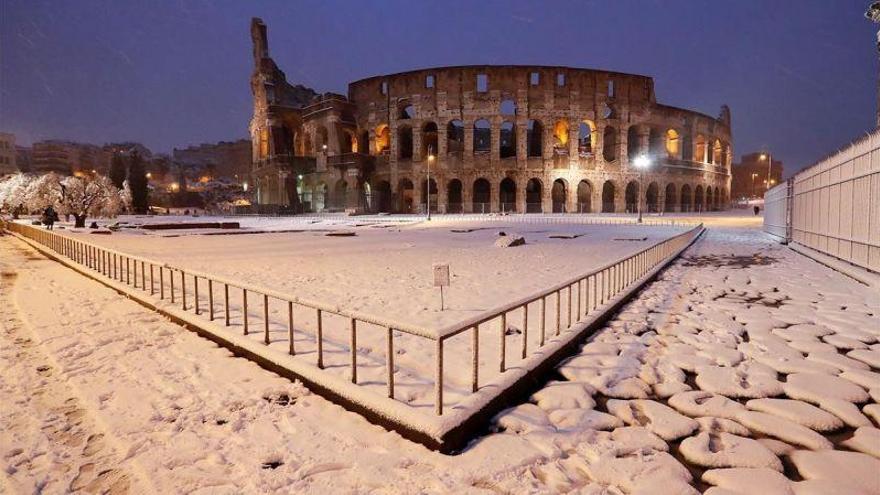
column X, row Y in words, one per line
column 673, row 391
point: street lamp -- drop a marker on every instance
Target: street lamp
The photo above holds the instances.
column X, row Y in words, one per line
column 767, row 156
column 754, row 191
column 641, row 162
column 428, row 183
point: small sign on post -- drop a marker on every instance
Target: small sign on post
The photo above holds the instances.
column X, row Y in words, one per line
column 441, row 279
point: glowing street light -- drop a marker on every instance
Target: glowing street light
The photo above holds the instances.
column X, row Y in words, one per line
column 642, row 163
column 767, row 156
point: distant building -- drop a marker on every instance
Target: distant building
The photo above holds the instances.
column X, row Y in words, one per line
column 229, row 159
column 7, row 154
column 127, row 148
column 23, row 158
column 68, row 157
column 750, row 175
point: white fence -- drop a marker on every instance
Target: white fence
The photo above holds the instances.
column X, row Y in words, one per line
column 835, row 205
column 777, row 210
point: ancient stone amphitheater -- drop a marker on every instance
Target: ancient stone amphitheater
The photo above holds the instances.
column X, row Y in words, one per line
column 483, row 139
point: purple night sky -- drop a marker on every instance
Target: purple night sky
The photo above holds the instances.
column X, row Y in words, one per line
column 800, row 76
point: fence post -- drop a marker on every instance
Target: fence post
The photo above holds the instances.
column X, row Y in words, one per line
column 171, row 281
column 291, row 349
column 525, row 332
column 389, row 364
column 244, row 312
column 558, row 310
column 210, row 300
column 475, row 359
column 226, row 302
column 196, row 291
column 320, row 336
column 438, row 379
column 503, row 342
column 143, row 276
column 354, row 375
column 265, row 319
column 161, row 283
column 543, row 318
column 182, row 289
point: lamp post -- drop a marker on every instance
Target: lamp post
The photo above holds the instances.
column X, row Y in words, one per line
column 641, row 162
column 428, row 182
column 754, row 190
column 767, row 156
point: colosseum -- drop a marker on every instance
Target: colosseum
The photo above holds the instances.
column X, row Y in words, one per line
column 500, row 138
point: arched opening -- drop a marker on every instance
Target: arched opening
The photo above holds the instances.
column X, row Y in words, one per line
column 632, row 143
column 508, row 107
column 584, row 197
column 655, row 144
column 364, row 143
column 383, row 139
column 404, row 142
column 349, row 142
column 405, row 195
column 716, row 152
column 482, row 196
column 698, row 199
column 670, row 203
column 507, row 195
column 429, row 140
column 406, row 111
column 558, row 194
column 534, row 138
column 321, row 138
column 608, row 197
column 700, row 149
column 454, row 196
column 320, row 198
column 560, row 136
column 687, row 200
column 534, row 190
column 264, row 142
column 340, row 194
column 652, row 198
column 673, row 143
column 455, row 136
column 710, row 202
column 631, row 197
column 609, row 144
column 482, row 136
column 382, row 197
column 429, row 192
column 508, row 139
column 586, row 136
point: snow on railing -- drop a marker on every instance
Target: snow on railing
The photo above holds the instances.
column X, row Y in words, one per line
column 591, row 291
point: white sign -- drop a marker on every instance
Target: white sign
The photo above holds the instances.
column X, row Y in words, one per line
column 441, row 274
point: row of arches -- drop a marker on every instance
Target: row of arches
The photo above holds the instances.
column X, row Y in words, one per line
column 529, row 196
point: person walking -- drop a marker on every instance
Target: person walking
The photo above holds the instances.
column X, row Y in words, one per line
column 757, row 210
column 49, row 217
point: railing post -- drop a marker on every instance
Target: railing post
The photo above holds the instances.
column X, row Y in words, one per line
column 354, row 374
column 183, row 289
column 291, row 350
column 226, row 302
column 438, row 379
column 580, row 299
column 475, row 359
column 143, row 276
column 244, row 312
column 558, row 310
column 127, row 270
column 525, row 332
column 389, row 364
column 196, row 293
column 320, row 336
column 210, row 300
column 171, row 281
column 161, row 283
column 568, row 309
column 265, row 319
column 543, row 318
column 503, row 349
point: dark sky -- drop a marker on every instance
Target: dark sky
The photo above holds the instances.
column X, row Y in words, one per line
column 799, row 75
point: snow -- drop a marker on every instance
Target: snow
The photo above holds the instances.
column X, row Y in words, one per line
column 100, row 384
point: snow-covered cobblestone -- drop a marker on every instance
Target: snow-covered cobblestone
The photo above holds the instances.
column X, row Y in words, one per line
column 789, row 405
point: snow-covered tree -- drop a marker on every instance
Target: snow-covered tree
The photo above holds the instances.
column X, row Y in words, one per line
column 78, row 196
column 13, row 193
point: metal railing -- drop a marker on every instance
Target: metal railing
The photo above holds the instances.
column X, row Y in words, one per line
column 202, row 293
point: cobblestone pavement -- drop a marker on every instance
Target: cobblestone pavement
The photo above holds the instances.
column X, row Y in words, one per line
column 745, row 368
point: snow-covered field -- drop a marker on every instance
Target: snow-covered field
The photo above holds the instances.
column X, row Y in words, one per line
column 671, row 397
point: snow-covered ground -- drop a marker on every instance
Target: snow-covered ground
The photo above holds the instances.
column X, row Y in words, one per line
column 669, row 398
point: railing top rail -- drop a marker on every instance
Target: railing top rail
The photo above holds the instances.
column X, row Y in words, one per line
column 490, row 314
column 441, row 333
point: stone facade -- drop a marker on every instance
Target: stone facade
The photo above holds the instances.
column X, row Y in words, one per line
column 7, row 154
column 491, row 138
